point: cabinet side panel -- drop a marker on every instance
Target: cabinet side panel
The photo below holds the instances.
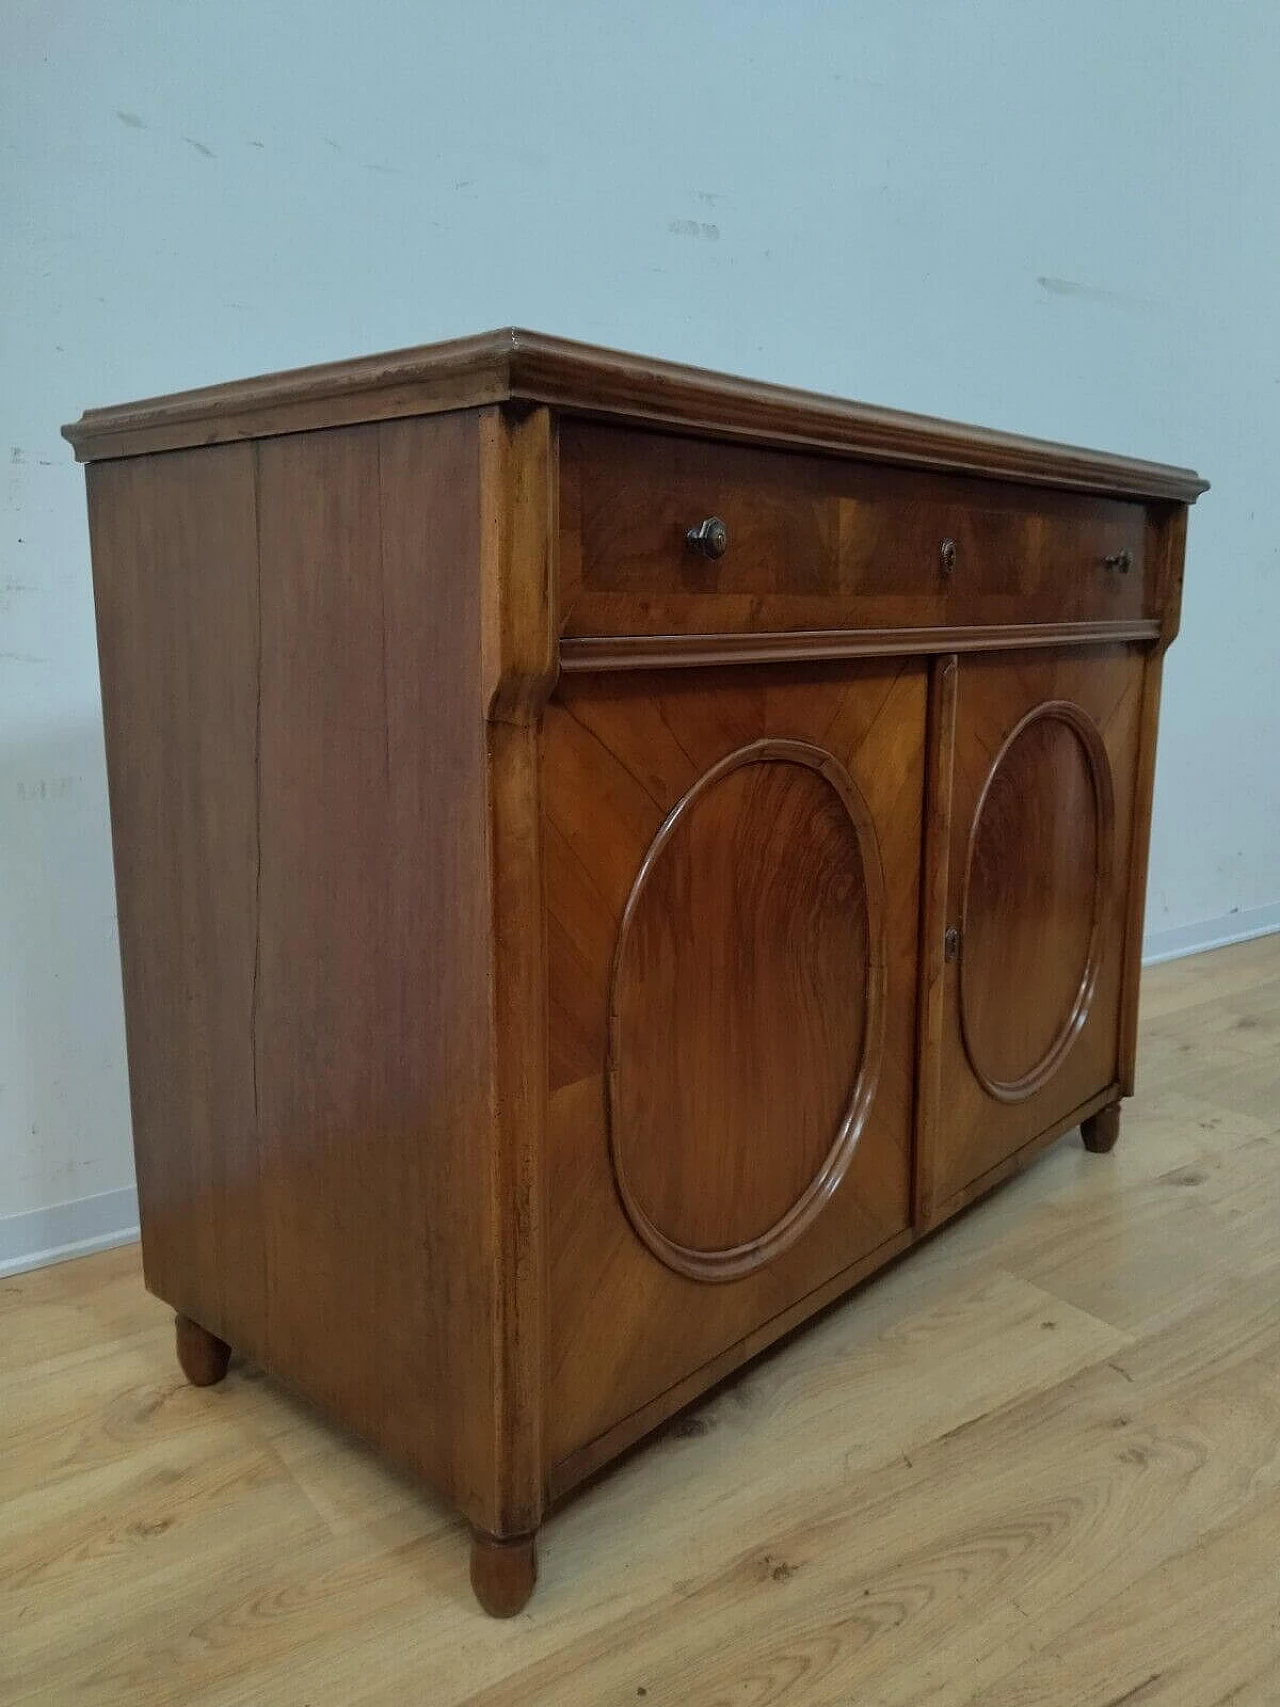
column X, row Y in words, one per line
column 176, row 587
column 373, row 1034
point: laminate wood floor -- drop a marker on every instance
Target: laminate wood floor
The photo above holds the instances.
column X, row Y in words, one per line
column 1037, row 1462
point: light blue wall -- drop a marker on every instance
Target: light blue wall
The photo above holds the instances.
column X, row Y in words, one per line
column 1061, row 219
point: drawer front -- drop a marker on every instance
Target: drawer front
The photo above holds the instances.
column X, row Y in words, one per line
column 1028, row 556
column 819, row 542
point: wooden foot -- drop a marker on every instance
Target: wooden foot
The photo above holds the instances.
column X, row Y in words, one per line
column 203, row 1355
column 1101, row 1130
column 503, row 1572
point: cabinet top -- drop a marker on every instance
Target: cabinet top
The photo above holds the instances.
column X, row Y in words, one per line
column 517, row 366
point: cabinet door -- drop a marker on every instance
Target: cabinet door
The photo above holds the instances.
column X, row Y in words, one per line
column 1026, row 948
column 732, row 870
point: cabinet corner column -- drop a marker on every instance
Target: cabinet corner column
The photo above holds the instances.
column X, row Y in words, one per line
column 519, row 665
column 1170, row 531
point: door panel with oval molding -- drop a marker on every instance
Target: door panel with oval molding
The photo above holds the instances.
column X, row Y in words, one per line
column 1043, row 766
column 732, row 865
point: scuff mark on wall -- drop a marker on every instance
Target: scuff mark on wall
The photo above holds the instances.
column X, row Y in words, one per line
column 48, row 788
column 10, row 590
column 1094, row 293
column 694, row 228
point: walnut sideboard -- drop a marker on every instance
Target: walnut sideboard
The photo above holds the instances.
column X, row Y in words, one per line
column 608, row 855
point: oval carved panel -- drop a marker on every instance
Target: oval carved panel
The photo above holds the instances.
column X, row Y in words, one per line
column 1037, row 877
column 746, row 1009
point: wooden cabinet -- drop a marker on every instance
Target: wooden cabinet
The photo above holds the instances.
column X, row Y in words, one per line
column 607, row 856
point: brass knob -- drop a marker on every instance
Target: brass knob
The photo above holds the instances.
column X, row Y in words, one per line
column 1121, row 561
column 947, row 556
column 709, row 538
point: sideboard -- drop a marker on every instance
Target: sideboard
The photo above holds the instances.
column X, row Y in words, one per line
column 608, row 855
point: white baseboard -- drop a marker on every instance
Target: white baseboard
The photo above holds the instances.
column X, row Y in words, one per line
column 63, row 1230
column 1238, row 926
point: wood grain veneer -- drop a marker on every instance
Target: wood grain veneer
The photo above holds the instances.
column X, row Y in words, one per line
column 824, row 542
column 772, row 1133
column 746, row 1073
column 556, row 963
column 301, row 792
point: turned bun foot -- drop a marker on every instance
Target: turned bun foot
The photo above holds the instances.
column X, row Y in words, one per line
column 503, row 1572
column 1101, row 1130
column 203, row 1355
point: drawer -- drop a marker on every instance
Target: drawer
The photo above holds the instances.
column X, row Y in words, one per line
column 1026, row 555
column 823, row 542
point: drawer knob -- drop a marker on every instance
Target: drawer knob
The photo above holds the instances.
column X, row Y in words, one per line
column 1121, row 561
column 947, row 556
column 709, row 538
